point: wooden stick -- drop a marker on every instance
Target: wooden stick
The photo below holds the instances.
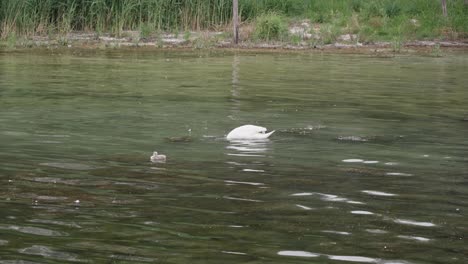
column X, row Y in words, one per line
column 235, row 20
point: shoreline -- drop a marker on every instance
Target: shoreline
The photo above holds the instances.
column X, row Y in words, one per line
column 216, row 41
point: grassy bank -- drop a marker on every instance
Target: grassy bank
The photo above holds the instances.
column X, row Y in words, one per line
column 369, row 20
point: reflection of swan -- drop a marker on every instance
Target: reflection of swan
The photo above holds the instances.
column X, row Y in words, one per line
column 248, row 132
column 248, row 148
column 158, row 158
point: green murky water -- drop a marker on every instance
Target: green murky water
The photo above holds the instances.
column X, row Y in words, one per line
column 368, row 164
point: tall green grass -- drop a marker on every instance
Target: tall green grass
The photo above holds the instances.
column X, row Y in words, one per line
column 373, row 17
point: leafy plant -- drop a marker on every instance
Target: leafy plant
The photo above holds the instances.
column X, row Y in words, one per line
column 392, row 9
column 145, row 31
column 270, row 26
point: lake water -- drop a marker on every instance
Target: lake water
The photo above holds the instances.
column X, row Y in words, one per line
column 368, row 164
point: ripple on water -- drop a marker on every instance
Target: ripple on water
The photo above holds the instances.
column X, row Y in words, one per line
column 398, row 174
column 294, row 253
column 17, row 262
column 328, row 197
column 51, row 198
column 377, row 193
column 233, row 252
column 56, row 180
column 48, row 253
column 337, row 232
column 417, row 238
column 242, row 199
column 252, row 170
column 34, row 230
column 353, row 160
column 246, row 183
column 68, row 166
column 354, row 259
column 359, row 212
column 376, row 231
column 415, row 223
column 53, row 222
column 360, row 259
column 132, row 258
column 304, row 207
column 3, row 242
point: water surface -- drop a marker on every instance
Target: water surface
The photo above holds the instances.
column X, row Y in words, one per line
column 368, row 164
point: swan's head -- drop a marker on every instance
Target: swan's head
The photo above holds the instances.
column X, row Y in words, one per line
column 249, row 132
column 155, row 153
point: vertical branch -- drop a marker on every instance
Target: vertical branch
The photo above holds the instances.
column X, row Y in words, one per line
column 235, row 20
column 444, row 7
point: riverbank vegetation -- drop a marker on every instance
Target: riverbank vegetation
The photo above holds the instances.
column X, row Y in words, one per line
column 266, row 20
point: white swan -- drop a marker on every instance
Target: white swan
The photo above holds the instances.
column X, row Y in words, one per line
column 158, row 158
column 249, row 132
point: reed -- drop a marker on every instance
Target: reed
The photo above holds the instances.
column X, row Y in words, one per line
column 29, row 17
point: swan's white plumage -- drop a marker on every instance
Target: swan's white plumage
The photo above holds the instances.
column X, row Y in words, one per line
column 248, row 132
column 158, row 158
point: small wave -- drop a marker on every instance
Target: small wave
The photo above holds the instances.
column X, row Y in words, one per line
column 329, row 197
column 49, row 253
column 304, row 207
column 360, row 259
column 376, row 231
column 377, row 193
column 252, row 170
column 54, row 222
column 337, row 232
column 353, row 160
column 415, row 223
column 294, row 253
column 233, row 252
column 246, row 183
column 398, row 174
column 302, row 194
column 244, row 155
column 417, row 238
column 354, row 259
column 353, row 138
column 359, row 212
column 68, row 166
column 242, row 199
column 34, row 230
column 132, row 258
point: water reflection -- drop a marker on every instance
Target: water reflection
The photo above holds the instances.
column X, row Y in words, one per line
column 248, row 148
column 248, row 155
